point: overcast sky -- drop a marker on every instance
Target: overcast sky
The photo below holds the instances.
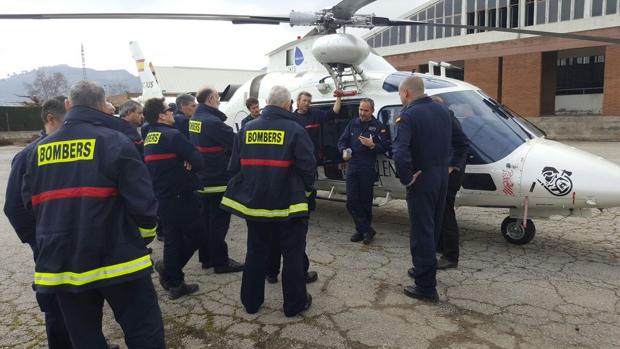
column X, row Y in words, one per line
column 28, row 44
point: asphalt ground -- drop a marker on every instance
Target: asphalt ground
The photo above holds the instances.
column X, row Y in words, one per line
column 562, row 290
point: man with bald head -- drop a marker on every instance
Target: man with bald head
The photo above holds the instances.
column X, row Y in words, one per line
column 421, row 154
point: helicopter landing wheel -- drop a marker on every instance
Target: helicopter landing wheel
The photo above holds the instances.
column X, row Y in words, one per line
column 514, row 232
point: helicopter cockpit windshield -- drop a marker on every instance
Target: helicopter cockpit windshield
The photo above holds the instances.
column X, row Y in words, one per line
column 493, row 130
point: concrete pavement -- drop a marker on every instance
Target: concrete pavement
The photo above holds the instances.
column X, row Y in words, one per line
column 561, row 290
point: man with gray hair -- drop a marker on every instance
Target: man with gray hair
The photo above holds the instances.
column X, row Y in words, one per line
column 186, row 107
column 273, row 158
column 94, row 209
column 131, row 111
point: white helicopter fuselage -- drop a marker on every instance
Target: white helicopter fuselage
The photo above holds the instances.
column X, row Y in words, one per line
column 574, row 180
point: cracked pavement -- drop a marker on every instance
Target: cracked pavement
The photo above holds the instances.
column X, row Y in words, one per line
column 562, row 290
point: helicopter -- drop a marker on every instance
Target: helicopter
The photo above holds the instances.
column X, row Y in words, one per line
column 511, row 164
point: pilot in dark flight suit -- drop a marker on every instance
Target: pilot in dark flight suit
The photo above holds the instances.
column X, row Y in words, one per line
column 421, row 155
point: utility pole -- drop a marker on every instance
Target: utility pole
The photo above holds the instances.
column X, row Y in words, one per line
column 83, row 62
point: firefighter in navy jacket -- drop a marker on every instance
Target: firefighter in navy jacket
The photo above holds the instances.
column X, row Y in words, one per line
column 365, row 137
column 312, row 119
column 275, row 166
column 168, row 154
column 93, row 203
column 22, row 219
column 214, row 140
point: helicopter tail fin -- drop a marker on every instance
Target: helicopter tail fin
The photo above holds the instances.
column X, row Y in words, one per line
column 150, row 86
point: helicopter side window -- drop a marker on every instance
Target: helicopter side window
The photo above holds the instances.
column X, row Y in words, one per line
column 388, row 115
column 491, row 137
column 331, row 130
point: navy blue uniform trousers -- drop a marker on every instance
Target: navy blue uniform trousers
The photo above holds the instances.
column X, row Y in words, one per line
column 448, row 242
column 214, row 250
column 185, row 233
column 360, row 181
column 57, row 335
column 273, row 258
column 425, row 200
column 135, row 308
column 291, row 236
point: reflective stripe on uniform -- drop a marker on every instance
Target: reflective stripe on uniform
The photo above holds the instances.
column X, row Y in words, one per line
column 259, row 212
column 207, row 150
column 77, row 192
column 103, row 273
column 209, row 190
column 157, row 157
column 266, row 162
column 313, row 126
column 308, row 194
column 148, row 232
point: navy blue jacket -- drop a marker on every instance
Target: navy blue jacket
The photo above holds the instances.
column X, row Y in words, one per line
column 275, row 167
column 313, row 120
column 247, row 119
column 129, row 130
column 181, row 123
column 93, row 203
column 362, row 156
column 424, row 138
column 21, row 218
column 165, row 151
column 460, row 145
column 214, row 140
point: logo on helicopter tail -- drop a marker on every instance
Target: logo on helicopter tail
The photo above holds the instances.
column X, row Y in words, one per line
column 557, row 183
column 299, row 56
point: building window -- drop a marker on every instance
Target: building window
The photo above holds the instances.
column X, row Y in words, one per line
column 611, row 7
column 430, row 31
column 422, row 28
column 457, row 20
column 370, row 41
column 448, row 7
column 378, row 40
column 578, row 10
column 439, row 10
column 514, row 13
column 439, row 30
column 580, row 75
column 540, row 11
column 386, row 38
column 448, row 31
column 553, row 11
column 458, row 7
column 599, row 59
column 503, row 17
column 393, row 36
column 402, row 35
column 597, row 7
column 413, row 30
column 565, row 10
column 529, row 12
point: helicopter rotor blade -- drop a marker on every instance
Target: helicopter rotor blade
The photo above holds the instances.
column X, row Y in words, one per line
column 386, row 22
column 241, row 19
column 347, row 8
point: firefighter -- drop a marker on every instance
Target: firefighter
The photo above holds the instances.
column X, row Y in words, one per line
column 214, row 140
column 169, row 157
column 94, row 207
column 275, row 166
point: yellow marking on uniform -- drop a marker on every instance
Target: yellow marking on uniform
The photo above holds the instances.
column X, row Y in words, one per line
column 152, row 138
column 195, row 126
column 264, row 137
column 259, row 212
column 103, row 273
column 65, row 151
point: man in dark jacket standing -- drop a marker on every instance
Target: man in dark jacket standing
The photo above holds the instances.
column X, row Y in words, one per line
column 214, row 140
column 448, row 240
column 186, row 107
column 275, row 166
column 93, row 203
column 254, row 109
column 312, row 119
column 22, row 219
column 169, row 157
column 361, row 141
column 421, row 154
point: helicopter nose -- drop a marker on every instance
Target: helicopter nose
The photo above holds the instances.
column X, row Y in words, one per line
column 570, row 176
